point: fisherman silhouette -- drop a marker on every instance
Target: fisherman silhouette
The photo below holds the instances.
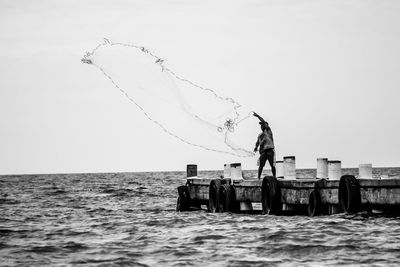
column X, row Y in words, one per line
column 265, row 141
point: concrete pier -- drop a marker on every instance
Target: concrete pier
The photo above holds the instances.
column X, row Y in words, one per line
column 311, row 196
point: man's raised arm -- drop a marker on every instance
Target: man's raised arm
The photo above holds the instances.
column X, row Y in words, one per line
column 259, row 117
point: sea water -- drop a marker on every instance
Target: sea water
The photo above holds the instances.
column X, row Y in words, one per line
column 113, row 219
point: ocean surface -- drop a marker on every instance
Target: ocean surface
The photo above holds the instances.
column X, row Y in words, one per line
column 129, row 219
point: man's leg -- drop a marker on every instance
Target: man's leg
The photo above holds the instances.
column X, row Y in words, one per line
column 273, row 171
column 263, row 159
column 271, row 161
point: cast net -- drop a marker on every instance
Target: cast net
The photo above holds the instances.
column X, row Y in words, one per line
column 193, row 114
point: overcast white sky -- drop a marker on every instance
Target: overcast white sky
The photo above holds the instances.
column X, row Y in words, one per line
column 325, row 74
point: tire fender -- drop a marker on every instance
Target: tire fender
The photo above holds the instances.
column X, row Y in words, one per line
column 314, row 204
column 349, row 194
column 183, row 202
column 213, row 195
column 227, row 198
column 271, row 196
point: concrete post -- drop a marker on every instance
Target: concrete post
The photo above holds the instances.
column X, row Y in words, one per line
column 233, row 171
column 334, row 169
column 191, row 170
column 322, row 168
column 289, row 167
column 365, row 171
column 279, row 169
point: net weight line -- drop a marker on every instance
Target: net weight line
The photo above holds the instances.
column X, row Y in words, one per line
column 227, row 127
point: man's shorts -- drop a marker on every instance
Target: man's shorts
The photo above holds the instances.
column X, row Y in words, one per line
column 268, row 154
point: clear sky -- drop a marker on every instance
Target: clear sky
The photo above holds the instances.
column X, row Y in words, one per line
column 325, row 74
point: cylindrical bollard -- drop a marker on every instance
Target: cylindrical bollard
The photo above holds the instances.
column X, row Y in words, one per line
column 334, row 169
column 191, row 170
column 236, row 171
column 233, row 171
column 227, row 170
column 365, row 171
column 322, row 168
column 289, row 167
column 279, row 169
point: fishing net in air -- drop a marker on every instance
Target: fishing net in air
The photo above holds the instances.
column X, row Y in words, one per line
column 193, row 114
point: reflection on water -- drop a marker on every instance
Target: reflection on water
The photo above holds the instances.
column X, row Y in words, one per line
column 130, row 219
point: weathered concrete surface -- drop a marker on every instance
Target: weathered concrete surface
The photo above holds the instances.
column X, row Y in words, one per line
column 297, row 184
column 380, row 192
column 198, row 181
column 379, row 183
column 296, row 191
column 329, row 191
column 248, row 190
column 382, row 196
column 295, row 196
column 199, row 188
column 329, row 196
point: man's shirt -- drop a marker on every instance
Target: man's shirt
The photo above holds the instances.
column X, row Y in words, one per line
column 265, row 140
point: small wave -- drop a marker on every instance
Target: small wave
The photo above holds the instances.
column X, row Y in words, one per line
column 254, row 262
column 99, row 210
column 118, row 192
column 8, row 201
column 201, row 238
column 6, row 232
column 114, row 261
column 59, row 191
column 54, row 191
column 310, row 249
column 74, row 247
column 153, row 210
column 108, row 191
column 44, row 249
column 4, row 245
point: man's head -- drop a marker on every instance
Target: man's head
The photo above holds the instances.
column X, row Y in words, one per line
column 264, row 125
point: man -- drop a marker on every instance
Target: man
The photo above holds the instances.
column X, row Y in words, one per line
column 267, row 149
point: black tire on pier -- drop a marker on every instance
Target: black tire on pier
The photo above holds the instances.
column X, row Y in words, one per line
column 183, row 203
column 227, row 199
column 349, row 194
column 213, row 195
column 271, row 196
column 314, row 204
